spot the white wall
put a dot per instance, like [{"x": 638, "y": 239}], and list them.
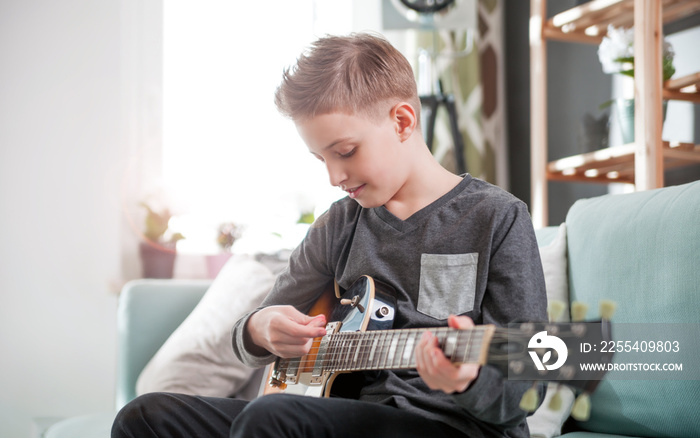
[
  {"x": 679, "y": 123},
  {"x": 61, "y": 160}
]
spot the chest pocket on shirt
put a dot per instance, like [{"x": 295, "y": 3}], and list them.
[{"x": 447, "y": 284}]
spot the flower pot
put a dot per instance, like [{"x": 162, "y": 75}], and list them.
[
  {"x": 215, "y": 262},
  {"x": 157, "y": 261},
  {"x": 625, "y": 117},
  {"x": 593, "y": 133}
]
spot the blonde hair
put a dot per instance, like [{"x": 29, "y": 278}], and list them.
[{"x": 356, "y": 74}]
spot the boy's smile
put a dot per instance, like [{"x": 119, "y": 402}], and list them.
[{"x": 354, "y": 193}]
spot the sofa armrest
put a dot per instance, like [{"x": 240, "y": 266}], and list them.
[{"x": 148, "y": 312}]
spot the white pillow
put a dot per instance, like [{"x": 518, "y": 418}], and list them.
[
  {"x": 555, "y": 267},
  {"x": 545, "y": 423},
  {"x": 198, "y": 357}
]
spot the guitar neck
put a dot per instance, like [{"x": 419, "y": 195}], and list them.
[{"x": 395, "y": 349}]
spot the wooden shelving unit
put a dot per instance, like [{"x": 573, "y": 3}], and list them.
[
  {"x": 683, "y": 88},
  {"x": 643, "y": 162},
  {"x": 589, "y": 22},
  {"x": 616, "y": 164}
]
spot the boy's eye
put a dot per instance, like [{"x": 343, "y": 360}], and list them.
[{"x": 348, "y": 154}]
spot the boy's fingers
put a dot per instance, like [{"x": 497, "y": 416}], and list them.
[
  {"x": 317, "y": 321},
  {"x": 308, "y": 326},
  {"x": 316, "y": 326},
  {"x": 460, "y": 322}
]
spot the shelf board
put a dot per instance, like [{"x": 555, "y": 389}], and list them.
[
  {"x": 616, "y": 164},
  {"x": 683, "y": 88},
  {"x": 588, "y": 23}
]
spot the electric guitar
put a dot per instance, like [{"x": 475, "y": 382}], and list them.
[{"x": 359, "y": 337}]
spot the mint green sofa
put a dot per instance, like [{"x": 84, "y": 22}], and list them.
[{"x": 641, "y": 250}]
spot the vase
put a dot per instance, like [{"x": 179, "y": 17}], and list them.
[
  {"x": 625, "y": 117},
  {"x": 593, "y": 133},
  {"x": 157, "y": 261}
]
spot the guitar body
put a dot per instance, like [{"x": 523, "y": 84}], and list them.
[{"x": 367, "y": 305}]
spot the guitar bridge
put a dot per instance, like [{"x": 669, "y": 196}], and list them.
[{"x": 277, "y": 379}]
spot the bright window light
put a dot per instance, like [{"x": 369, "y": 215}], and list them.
[{"x": 228, "y": 155}]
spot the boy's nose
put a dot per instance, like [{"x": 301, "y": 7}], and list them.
[{"x": 336, "y": 174}]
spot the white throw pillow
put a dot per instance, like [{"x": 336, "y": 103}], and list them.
[
  {"x": 198, "y": 357},
  {"x": 555, "y": 267},
  {"x": 546, "y": 423}
]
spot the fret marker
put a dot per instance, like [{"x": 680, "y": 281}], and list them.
[
  {"x": 374, "y": 347},
  {"x": 408, "y": 350},
  {"x": 392, "y": 347},
  {"x": 357, "y": 351},
  {"x": 450, "y": 344}
]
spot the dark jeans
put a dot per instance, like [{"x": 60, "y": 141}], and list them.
[{"x": 280, "y": 415}]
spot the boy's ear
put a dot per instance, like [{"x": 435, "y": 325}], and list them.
[{"x": 405, "y": 120}]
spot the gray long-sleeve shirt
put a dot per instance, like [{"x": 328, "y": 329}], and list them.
[{"x": 471, "y": 252}]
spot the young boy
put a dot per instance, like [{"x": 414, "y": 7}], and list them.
[{"x": 450, "y": 245}]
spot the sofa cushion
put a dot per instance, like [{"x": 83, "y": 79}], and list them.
[{"x": 641, "y": 251}]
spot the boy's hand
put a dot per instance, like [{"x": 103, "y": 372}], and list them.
[
  {"x": 284, "y": 331},
  {"x": 436, "y": 370}
]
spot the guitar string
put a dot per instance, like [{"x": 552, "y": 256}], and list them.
[
  {"x": 338, "y": 360},
  {"x": 341, "y": 357},
  {"x": 361, "y": 337},
  {"x": 405, "y": 337},
  {"x": 398, "y": 340},
  {"x": 351, "y": 336}
]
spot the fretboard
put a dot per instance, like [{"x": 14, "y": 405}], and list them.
[{"x": 395, "y": 349}]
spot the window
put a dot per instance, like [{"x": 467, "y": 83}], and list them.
[{"x": 228, "y": 154}]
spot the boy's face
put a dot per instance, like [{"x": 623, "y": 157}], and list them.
[{"x": 364, "y": 157}]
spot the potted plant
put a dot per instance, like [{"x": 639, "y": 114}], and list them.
[
  {"x": 158, "y": 247},
  {"x": 616, "y": 55},
  {"x": 227, "y": 235}
]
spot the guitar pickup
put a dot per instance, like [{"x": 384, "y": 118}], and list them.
[{"x": 322, "y": 348}]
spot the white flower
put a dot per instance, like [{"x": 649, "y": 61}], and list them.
[
  {"x": 618, "y": 44},
  {"x": 616, "y": 53},
  {"x": 668, "y": 52}
]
